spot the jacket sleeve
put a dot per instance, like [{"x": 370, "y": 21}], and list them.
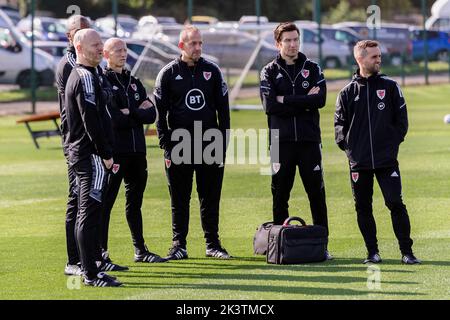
[
  {"x": 340, "y": 120},
  {"x": 120, "y": 120},
  {"x": 143, "y": 116},
  {"x": 162, "y": 100},
  {"x": 222, "y": 104},
  {"x": 313, "y": 101},
  {"x": 87, "y": 104},
  {"x": 400, "y": 112},
  {"x": 269, "y": 97}
]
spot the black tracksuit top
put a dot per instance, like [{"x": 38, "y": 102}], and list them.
[
  {"x": 88, "y": 120},
  {"x": 128, "y": 93},
  {"x": 184, "y": 95},
  {"x": 297, "y": 118},
  {"x": 371, "y": 121}
]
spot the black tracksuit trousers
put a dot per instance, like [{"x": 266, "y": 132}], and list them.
[
  {"x": 307, "y": 157},
  {"x": 133, "y": 171},
  {"x": 71, "y": 217},
  {"x": 209, "y": 186},
  {"x": 91, "y": 178},
  {"x": 390, "y": 184}
]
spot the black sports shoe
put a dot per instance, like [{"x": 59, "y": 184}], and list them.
[
  {"x": 102, "y": 280},
  {"x": 373, "y": 258},
  {"x": 328, "y": 255},
  {"x": 218, "y": 252},
  {"x": 73, "y": 270},
  {"x": 106, "y": 266},
  {"x": 105, "y": 256},
  {"x": 177, "y": 253},
  {"x": 410, "y": 259},
  {"x": 149, "y": 257}
]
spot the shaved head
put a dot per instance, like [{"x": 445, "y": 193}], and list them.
[
  {"x": 115, "y": 53},
  {"x": 89, "y": 47},
  {"x": 113, "y": 42},
  {"x": 75, "y": 23}
]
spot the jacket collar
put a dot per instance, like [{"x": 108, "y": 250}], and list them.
[
  {"x": 357, "y": 77},
  {"x": 185, "y": 65},
  {"x": 300, "y": 61}
]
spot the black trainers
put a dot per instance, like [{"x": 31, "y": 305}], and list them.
[
  {"x": 106, "y": 266},
  {"x": 105, "y": 256},
  {"x": 73, "y": 270},
  {"x": 177, "y": 253},
  {"x": 373, "y": 258},
  {"x": 410, "y": 259},
  {"x": 328, "y": 255},
  {"x": 102, "y": 280},
  {"x": 218, "y": 252},
  {"x": 147, "y": 256}
]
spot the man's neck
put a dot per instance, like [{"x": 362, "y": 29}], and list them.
[
  {"x": 84, "y": 62},
  {"x": 365, "y": 74},
  {"x": 116, "y": 69},
  {"x": 188, "y": 61},
  {"x": 289, "y": 60}
]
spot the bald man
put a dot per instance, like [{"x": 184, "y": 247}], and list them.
[
  {"x": 130, "y": 109},
  {"x": 90, "y": 150},
  {"x": 65, "y": 66},
  {"x": 190, "y": 91}
]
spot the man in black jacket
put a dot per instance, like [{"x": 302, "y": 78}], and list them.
[
  {"x": 191, "y": 95},
  {"x": 130, "y": 109},
  {"x": 90, "y": 150},
  {"x": 65, "y": 66},
  {"x": 370, "y": 123},
  {"x": 293, "y": 89}
]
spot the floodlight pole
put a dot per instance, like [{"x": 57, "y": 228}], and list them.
[
  {"x": 425, "y": 40},
  {"x": 189, "y": 10},
  {"x": 318, "y": 18},
  {"x": 115, "y": 10},
  {"x": 33, "y": 71}
]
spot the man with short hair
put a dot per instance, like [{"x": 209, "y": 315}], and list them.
[
  {"x": 90, "y": 150},
  {"x": 65, "y": 66},
  {"x": 190, "y": 91},
  {"x": 293, "y": 89},
  {"x": 371, "y": 121},
  {"x": 130, "y": 109}
]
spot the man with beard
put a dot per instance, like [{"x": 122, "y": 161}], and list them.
[{"x": 370, "y": 123}]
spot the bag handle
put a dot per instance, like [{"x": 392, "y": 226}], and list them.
[{"x": 288, "y": 220}]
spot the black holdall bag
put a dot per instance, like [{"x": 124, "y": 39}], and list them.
[
  {"x": 296, "y": 244},
  {"x": 261, "y": 238}
]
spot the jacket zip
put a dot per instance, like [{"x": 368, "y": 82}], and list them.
[
  {"x": 370, "y": 126},
  {"x": 293, "y": 92},
  {"x": 128, "y": 105}
]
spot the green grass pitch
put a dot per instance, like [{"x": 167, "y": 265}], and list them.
[{"x": 33, "y": 188}]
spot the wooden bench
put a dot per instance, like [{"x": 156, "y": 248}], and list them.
[{"x": 35, "y": 134}]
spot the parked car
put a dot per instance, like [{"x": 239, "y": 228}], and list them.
[
  {"x": 126, "y": 25},
  {"x": 335, "y": 54},
  {"x": 396, "y": 37},
  {"x": 45, "y": 28},
  {"x": 12, "y": 13},
  {"x": 440, "y": 16},
  {"x": 15, "y": 60},
  {"x": 234, "y": 48},
  {"x": 438, "y": 45},
  {"x": 57, "y": 49}
]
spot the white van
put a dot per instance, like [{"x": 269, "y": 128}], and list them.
[
  {"x": 15, "y": 58},
  {"x": 440, "y": 16}
]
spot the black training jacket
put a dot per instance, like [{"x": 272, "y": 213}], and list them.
[
  {"x": 371, "y": 121},
  {"x": 65, "y": 66},
  {"x": 89, "y": 124},
  {"x": 297, "y": 118},
  {"x": 184, "y": 95},
  {"x": 128, "y": 93}
]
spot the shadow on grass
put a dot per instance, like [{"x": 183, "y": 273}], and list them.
[
  {"x": 273, "y": 289},
  {"x": 256, "y": 277},
  {"x": 333, "y": 266}
]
